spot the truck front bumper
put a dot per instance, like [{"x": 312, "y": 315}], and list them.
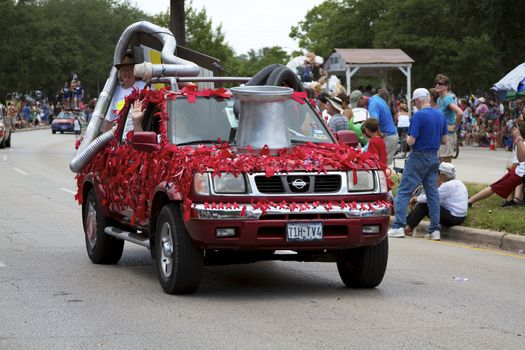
[{"x": 344, "y": 227}]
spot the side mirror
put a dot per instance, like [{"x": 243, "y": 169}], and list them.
[
  {"x": 145, "y": 141},
  {"x": 347, "y": 137}
]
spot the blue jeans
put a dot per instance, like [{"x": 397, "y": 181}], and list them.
[{"x": 420, "y": 168}]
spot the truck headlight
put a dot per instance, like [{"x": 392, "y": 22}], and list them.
[
  {"x": 229, "y": 183},
  {"x": 383, "y": 187},
  {"x": 365, "y": 181},
  {"x": 201, "y": 184}
]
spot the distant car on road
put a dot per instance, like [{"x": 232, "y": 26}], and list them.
[
  {"x": 64, "y": 122},
  {"x": 6, "y": 127}
]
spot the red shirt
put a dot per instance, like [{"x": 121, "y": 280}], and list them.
[{"x": 376, "y": 145}]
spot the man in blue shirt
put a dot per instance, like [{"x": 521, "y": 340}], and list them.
[
  {"x": 378, "y": 109},
  {"x": 428, "y": 129},
  {"x": 453, "y": 114}
]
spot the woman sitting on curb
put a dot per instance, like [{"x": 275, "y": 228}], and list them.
[
  {"x": 453, "y": 197},
  {"x": 514, "y": 177}
]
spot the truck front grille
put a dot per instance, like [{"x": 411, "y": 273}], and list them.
[{"x": 298, "y": 183}]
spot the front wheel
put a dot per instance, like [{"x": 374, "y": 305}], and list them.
[
  {"x": 8, "y": 142},
  {"x": 364, "y": 267},
  {"x": 179, "y": 261},
  {"x": 101, "y": 248},
  {"x": 53, "y": 132}
]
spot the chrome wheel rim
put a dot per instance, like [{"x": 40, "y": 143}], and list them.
[
  {"x": 166, "y": 250},
  {"x": 91, "y": 225}
]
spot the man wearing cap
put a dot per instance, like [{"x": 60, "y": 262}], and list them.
[
  {"x": 453, "y": 114},
  {"x": 427, "y": 131},
  {"x": 378, "y": 109},
  {"x": 453, "y": 200},
  {"x": 126, "y": 87},
  {"x": 358, "y": 114},
  {"x": 338, "y": 121}
]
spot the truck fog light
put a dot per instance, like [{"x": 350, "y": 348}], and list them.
[
  {"x": 371, "y": 229},
  {"x": 225, "y": 232}
]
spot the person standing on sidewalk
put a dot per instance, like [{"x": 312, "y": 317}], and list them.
[
  {"x": 378, "y": 109},
  {"x": 453, "y": 114},
  {"x": 428, "y": 129}
]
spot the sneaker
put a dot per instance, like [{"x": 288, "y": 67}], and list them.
[
  {"x": 435, "y": 236},
  {"x": 396, "y": 232},
  {"x": 507, "y": 204}
]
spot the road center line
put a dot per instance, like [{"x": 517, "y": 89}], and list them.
[
  {"x": 21, "y": 171},
  {"x": 67, "y": 190}
]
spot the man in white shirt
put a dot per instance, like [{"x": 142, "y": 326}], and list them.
[
  {"x": 126, "y": 87},
  {"x": 453, "y": 201}
]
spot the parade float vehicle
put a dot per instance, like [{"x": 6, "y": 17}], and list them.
[{"x": 225, "y": 176}]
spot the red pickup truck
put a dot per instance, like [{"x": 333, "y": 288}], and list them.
[{"x": 221, "y": 176}]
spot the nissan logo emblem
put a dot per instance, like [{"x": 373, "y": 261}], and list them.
[{"x": 299, "y": 184}]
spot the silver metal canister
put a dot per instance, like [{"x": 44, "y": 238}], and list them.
[{"x": 262, "y": 119}]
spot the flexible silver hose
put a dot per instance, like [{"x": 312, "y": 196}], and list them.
[
  {"x": 172, "y": 66},
  {"x": 82, "y": 157}
]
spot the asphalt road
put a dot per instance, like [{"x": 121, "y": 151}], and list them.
[
  {"x": 435, "y": 295},
  {"x": 478, "y": 164}
]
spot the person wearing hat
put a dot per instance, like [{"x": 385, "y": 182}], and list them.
[
  {"x": 358, "y": 114},
  {"x": 126, "y": 87},
  {"x": 334, "y": 107},
  {"x": 453, "y": 114},
  {"x": 453, "y": 201},
  {"x": 428, "y": 129}
]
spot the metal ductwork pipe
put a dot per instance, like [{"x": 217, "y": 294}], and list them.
[
  {"x": 261, "y": 109},
  {"x": 172, "y": 65},
  {"x": 82, "y": 157}
]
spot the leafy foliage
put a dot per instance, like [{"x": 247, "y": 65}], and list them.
[
  {"x": 44, "y": 42},
  {"x": 475, "y": 42}
]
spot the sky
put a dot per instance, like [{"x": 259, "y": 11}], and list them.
[{"x": 247, "y": 24}]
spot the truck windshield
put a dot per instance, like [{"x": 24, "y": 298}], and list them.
[{"x": 210, "y": 119}]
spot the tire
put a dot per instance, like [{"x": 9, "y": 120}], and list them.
[
  {"x": 179, "y": 261},
  {"x": 2, "y": 144},
  {"x": 284, "y": 76},
  {"x": 101, "y": 248},
  {"x": 8, "y": 142},
  {"x": 364, "y": 267},
  {"x": 61, "y": 132},
  {"x": 258, "y": 79},
  {"x": 53, "y": 132},
  {"x": 456, "y": 154}
]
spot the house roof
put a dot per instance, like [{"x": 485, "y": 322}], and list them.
[{"x": 374, "y": 56}]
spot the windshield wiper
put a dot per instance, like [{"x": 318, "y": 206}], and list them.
[{"x": 196, "y": 142}]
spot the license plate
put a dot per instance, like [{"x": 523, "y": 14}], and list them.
[
  {"x": 64, "y": 127},
  {"x": 304, "y": 231}
]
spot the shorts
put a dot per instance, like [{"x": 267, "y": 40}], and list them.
[
  {"x": 449, "y": 150},
  {"x": 506, "y": 185},
  {"x": 391, "y": 147}
]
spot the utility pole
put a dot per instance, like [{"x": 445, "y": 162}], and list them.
[{"x": 178, "y": 21}]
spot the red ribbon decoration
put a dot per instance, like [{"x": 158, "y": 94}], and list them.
[
  {"x": 128, "y": 178},
  {"x": 300, "y": 96}
]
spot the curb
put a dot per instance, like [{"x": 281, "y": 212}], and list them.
[
  {"x": 494, "y": 239},
  {"x": 31, "y": 129}
]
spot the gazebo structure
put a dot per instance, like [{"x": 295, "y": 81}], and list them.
[{"x": 369, "y": 62}]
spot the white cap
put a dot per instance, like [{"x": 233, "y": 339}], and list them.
[
  {"x": 419, "y": 92},
  {"x": 447, "y": 168}
]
